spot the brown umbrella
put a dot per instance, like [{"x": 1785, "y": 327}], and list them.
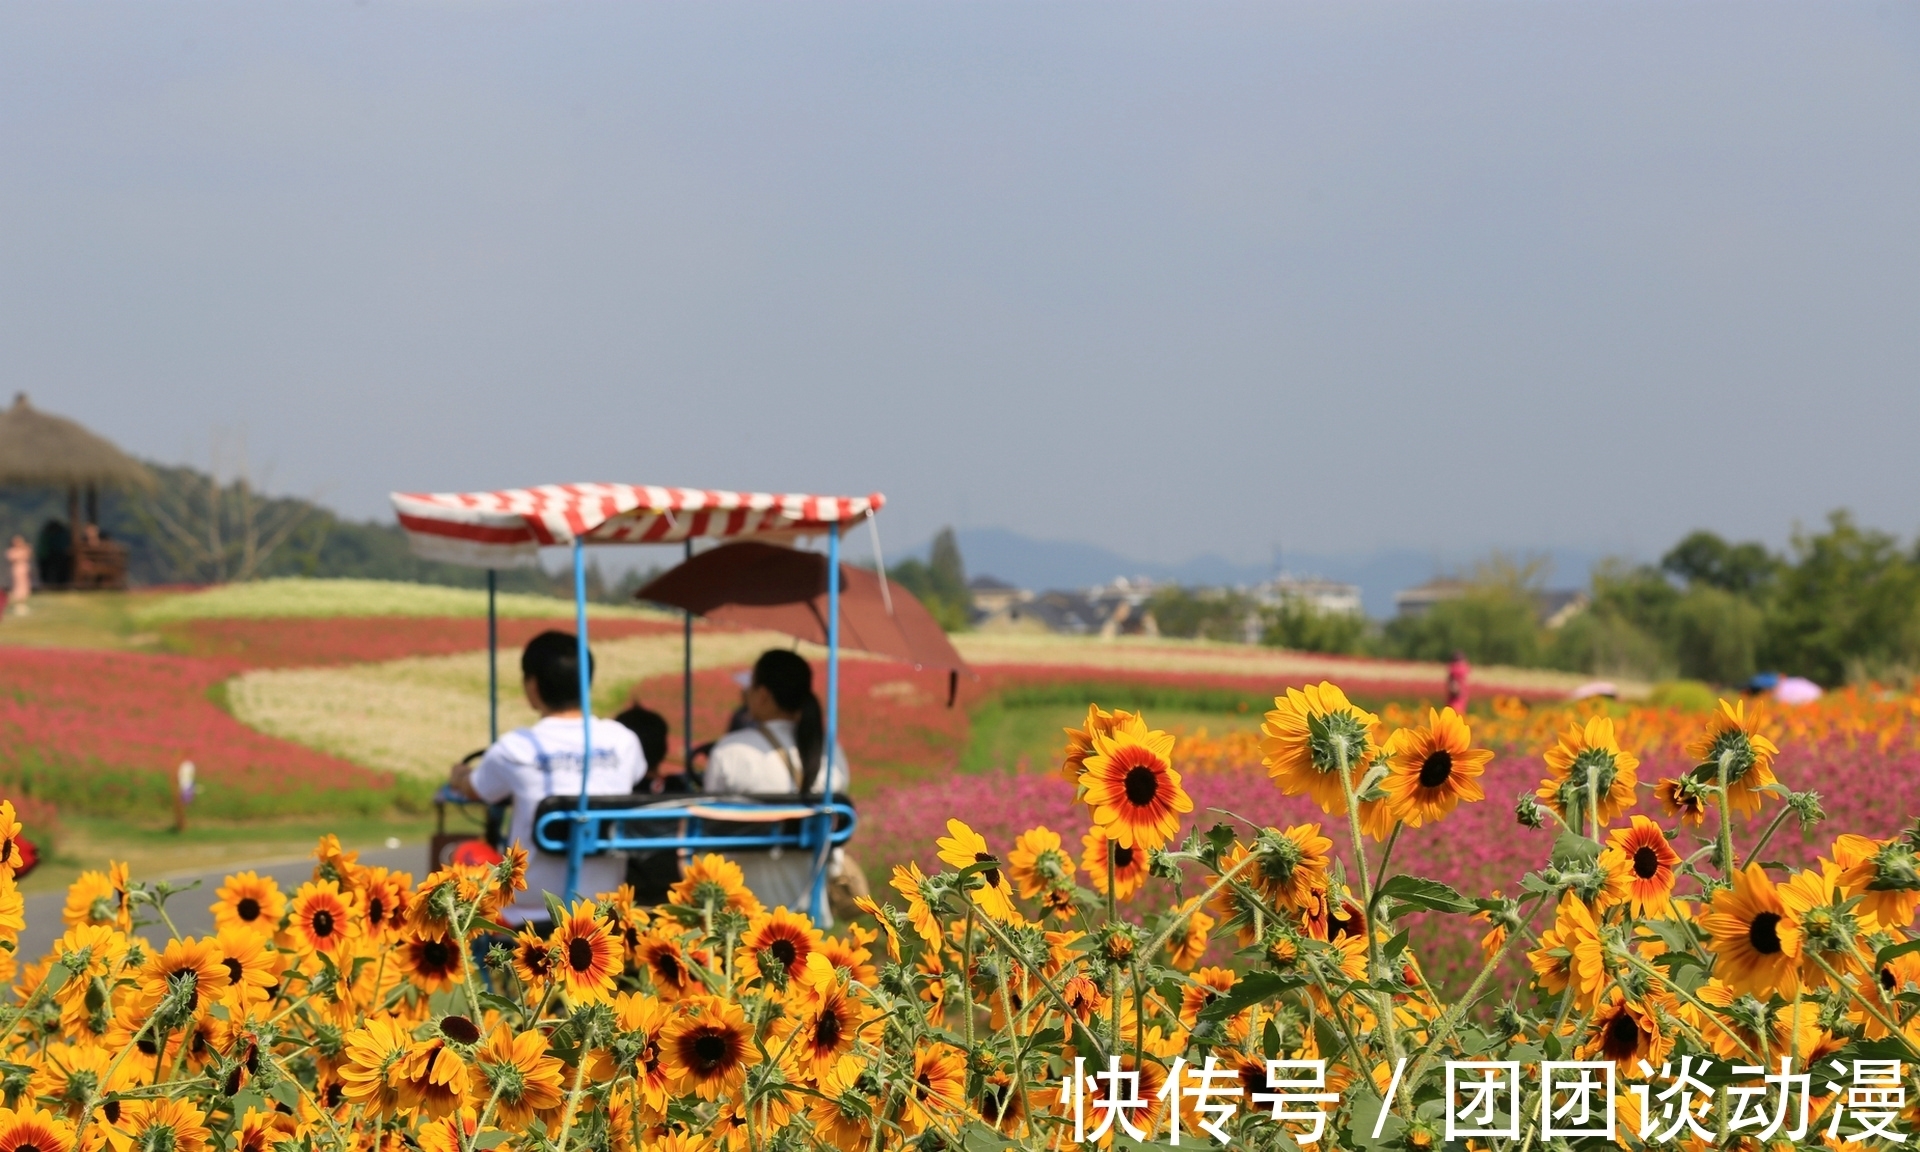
[
  {"x": 38, "y": 450},
  {"x": 759, "y": 585}
]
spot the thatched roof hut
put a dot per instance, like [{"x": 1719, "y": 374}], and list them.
[{"x": 38, "y": 450}]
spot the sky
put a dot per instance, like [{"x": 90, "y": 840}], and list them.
[{"x": 1168, "y": 278}]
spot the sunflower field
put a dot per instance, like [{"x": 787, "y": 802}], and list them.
[{"x": 1681, "y": 990}]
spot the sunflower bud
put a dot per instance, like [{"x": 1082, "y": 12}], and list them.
[
  {"x": 1527, "y": 811},
  {"x": 1895, "y": 869}
]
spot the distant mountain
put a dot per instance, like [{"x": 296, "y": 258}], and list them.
[{"x": 1041, "y": 564}]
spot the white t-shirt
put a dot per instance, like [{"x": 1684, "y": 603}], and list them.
[
  {"x": 530, "y": 764},
  {"x": 743, "y": 762}
]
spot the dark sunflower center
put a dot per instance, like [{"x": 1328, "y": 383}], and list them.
[
  {"x": 535, "y": 958},
  {"x": 248, "y": 909},
  {"x": 785, "y": 952},
  {"x": 1622, "y": 1038},
  {"x": 826, "y": 1033},
  {"x": 26, "y": 1146},
  {"x": 234, "y": 971},
  {"x": 1436, "y": 769},
  {"x": 992, "y": 874},
  {"x": 709, "y": 1050},
  {"x": 1122, "y": 856},
  {"x": 437, "y": 954},
  {"x": 111, "y": 1111},
  {"x": 1143, "y": 784},
  {"x": 1887, "y": 980},
  {"x": 668, "y": 967},
  {"x": 1646, "y": 862},
  {"x": 323, "y": 923},
  {"x": 1764, "y": 934},
  {"x": 579, "y": 954},
  {"x": 376, "y": 911},
  {"x": 335, "y": 1094}
]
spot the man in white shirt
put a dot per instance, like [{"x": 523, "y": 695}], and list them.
[
  {"x": 530, "y": 764},
  {"x": 781, "y": 754}
]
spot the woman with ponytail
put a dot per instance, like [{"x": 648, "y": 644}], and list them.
[{"x": 782, "y": 753}]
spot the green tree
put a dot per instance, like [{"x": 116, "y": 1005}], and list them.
[
  {"x": 1716, "y": 635},
  {"x": 1848, "y": 606},
  {"x": 940, "y": 581},
  {"x": 1201, "y": 613},
  {"x": 1705, "y": 559},
  {"x": 1495, "y": 620},
  {"x": 1298, "y": 625}
]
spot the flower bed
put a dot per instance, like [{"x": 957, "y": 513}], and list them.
[
  {"x": 102, "y": 732},
  {"x": 291, "y": 642},
  {"x": 1047, "y": 988}
]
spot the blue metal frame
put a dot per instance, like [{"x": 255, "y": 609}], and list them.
[
  {"x": 817, "y": 831},
  {"x": 808, "y": 836}
]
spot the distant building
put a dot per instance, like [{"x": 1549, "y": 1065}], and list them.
[
  {"x": 990, "y": 594},
  {"x": 1329, "y": 597},
  {"x": 1553, "y": 606},
  {"x": 1415, "y": 601}
]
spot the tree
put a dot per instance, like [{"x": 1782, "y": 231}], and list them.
[
  {"x": 1201, "y": 613},
  {"x": 940, "y": 581},
  {"x": 1848, "y": 607},
  {"x": 1495, "y": 621},
  {"x": 1298, "y": 625},
  {"x": 1705, "y": 559}
]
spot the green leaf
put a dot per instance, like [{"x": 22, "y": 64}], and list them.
[
  {"x": 1570, "y": 850},
  {"x": 1893, "y": 951},
  {"x": 1257, "y": 988},
  {"x": 1429, "y": 894},
  {"x": 492, "y": 1138},
  {"x": 1366, "y": 1112},
  {"x": 1270, "y": 1040}
]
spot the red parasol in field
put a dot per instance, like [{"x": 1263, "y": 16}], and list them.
[{"x": 758, "y": 585}]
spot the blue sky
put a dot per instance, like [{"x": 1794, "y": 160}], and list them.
[{"x": 1169, "y": 278}]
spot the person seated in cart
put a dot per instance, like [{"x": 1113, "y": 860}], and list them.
[
  {"x": 781, "y": 753},
  {"x": 530, "y": 764}
]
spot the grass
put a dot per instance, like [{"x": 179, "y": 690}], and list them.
[
  {"x": 308, "y": 598},
  {"x": 1008, "y": 731}
]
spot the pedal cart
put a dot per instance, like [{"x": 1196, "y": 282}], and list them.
[{"x": 755, "y": 577}]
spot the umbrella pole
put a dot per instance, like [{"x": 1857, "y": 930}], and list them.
[
  {"x": 577, "y": 845},
  {"x": 493, "y": 661},
  {"x": 686, "y": 685},
  {"x": 817, "y": 900}
]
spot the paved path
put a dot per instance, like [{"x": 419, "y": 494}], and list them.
[{"x": 191, "y": 911}]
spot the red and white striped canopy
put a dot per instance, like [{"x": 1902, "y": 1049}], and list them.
[{"x": 506, "y": 529}]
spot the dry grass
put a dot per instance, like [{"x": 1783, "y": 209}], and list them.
[{"x": 419, "y": 715}]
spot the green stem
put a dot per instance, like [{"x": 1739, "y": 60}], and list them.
[
  {"x": 1454, "y": 1015},
  {"x": 1383, "y": 1001},
  {"x": 1725, "y": 837},
  {"x": 1767, "y": 836}
]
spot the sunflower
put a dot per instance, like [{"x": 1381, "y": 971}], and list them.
[
  {"x": 713, "y": 881},
  {"x": 1816, "y": 905},
  {"x": 1571, "y": 953},
  {"x": 680, "y": 1142},
  {"x": 666, "y": 966},
  {"x": 1309, "y": 736},
  {"x": 1740, "y": 1025},
  {"x": 432, "y": 1079},
  {"x": 1626, "y": 1032},
  {"x": 1082, "y": 998},
  {"x": 509, "y": 879},
  {"x": 1431, "y": 769},
  {"x": 1146, "y": 1109},
  {"x": 1132, "y": 790},
  {"x": 1586, "y": 759},
  {"x": 962, "y": 847},
  {"x": 517, "y": 1074},
  {"x": 34, "y": 1130},
  {"x": 371, "y": 1063},
  {"x": 1684, "y": 798},
  {"x": 91, "y": 952},
  {"x": 1641, "y": 853},
  {"x": 1099, "y": 723},
  {"x": 1293, "y": 866},
  {"x": 175, "y": 1125},
  {"x": 452, "y": 1133},
  {"x": 625, "y": 919},
  {"x": 533, "y": 961},
  {"x": 253, "y": 969},
  {"x": 852, "y": 955},
  {"x": 840, "y": 1116},
  {"x": 1189, "y": 939},
  {"x": 707, "y": 1049},
  {"x": 642, "y": 1019},
  {"x": 433, "y": 963},
  {"x": 12, "y": 858},
  {"x": 382, "y": 896},
  {"x": 262, "y": 1131},
  {"x": 190, "y": 974},
  {"x": 1037, "y": 863},
  {"x": 1757, "y": 944},
  {"x": 322, "y": 917},
  {"x": 100, "y": 898},
  {"x": 1002, "y": 1104},
  {"x": 868, "y": 905},
  {"x": 1202, "y": 989},
  {"x": 1885, "y": 874},
  {"x": 777, "y": 944},
  {"x": 1734, "y": 741},
  {"x": 829, "y": 1026},
  {"x": 1129, "y": 867},
  {"x": 249, "y": 901},
  {"x": 910, "y": 882},
  {"x": 938, "y": 1090},
  {"x": 587, "y": 961}
]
